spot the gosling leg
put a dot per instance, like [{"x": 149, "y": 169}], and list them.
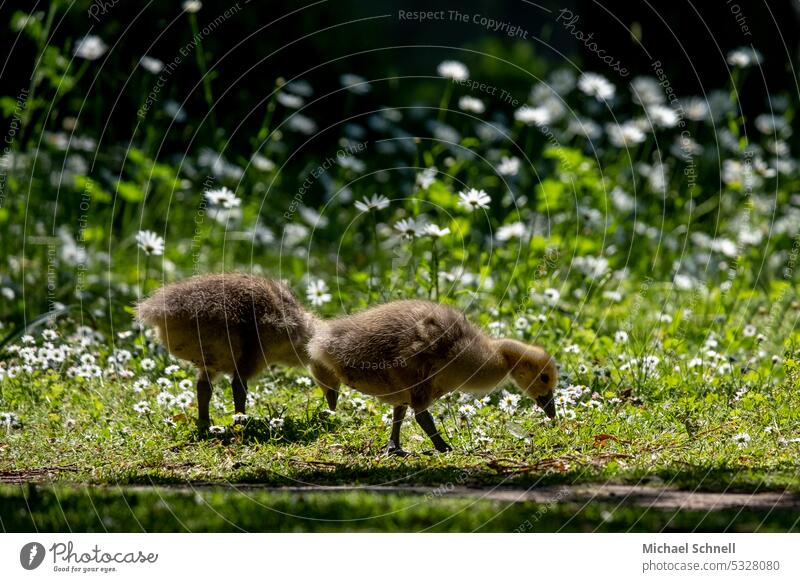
[
  {"x": 203, "y": 399},
  {"x": 425, "y": 420},
  {"x": 239, "y": 386},
  {"x": 393, "y": 446}
]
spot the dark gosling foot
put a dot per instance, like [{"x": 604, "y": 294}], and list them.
[
  {"x": 393, "y": 450},
  {"x": 443, "y": 447},
  {"x": 202, "y": 425}
]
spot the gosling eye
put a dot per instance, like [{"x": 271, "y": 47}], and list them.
[{"x": 546, "y": 378}]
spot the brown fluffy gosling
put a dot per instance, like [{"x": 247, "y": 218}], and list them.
[
  {"x": 410, "y": 353},
  {"x": 230, "y": 323}
]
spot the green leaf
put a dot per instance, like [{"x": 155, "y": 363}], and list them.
[
  {"x": 130, "y": 192},
  {"x": 93, "y": 188},
  {"x": 550, "y": 195},
  {"x": 440, "y": 195}
]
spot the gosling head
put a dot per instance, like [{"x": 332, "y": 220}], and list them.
[{"x": 533, "y": 371}]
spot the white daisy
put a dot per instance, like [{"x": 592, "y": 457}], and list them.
[
  {"x": 165, "y": 399},
  {"x": 151, "y": 65},
  {"x": 141, "y": 384},
  {"x": 8, "y": 419},
  {"x": 471, "y": 104},
  {"x": 695, "y": 108},
  {"x": 596, "y": 86},
  {"x": 175, "y": 111},
  {"x": 533, "y": 115},
  {"x": 141, "y": 407},
  {"x": 508, "y": 166},
  {"x": 317, "y": 293},
  {"x": 184, "y": 399},
  {"x": 551, "y": 295},
  {"x": 289, "y": 100},
  {"x": 584, "y": 128},
  {"x": 90, "y": 47},
  {"x": 467, "y": 410},
  {"x": 408, "y": 227},
  {"x": 624, "y": 135},
  {"x": 377, "y": 202},
  {"x": 474, "y": 199},
  {"x": 301, "y": 124},
  {"x": 262, "y": 163},
  {"x": 300, "y": 87},
  {"x": 646, "y": 91},
  {"x": 509, "y": 231},
  {"x": 222, "y": 197},
  {"x": 150, "y": 242},
  {"x": 435, "y": 231},
  {"x": 355, "y": 84},
  {"x": 741, "y": 439},
  {"x": 509, "y": 402},
  {"x": 426, "y": 178},
  {"x": 454, "y": 70},
  {"x": 663, "y": 116},
  {"x": 744, "y": 57}
]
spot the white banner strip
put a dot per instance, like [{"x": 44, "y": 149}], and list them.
[{"x": 401, "y": 557}]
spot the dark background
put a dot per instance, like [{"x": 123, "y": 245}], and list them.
[{"x": 689, "y": 38}]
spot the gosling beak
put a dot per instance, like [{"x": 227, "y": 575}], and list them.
[
  {"x": 332, "y": 396},
  {"x": 548, "y": 404}
]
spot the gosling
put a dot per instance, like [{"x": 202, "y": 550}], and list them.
[
  {"x": 230, "y": 323},
  {"x": 410, "y": 353}
]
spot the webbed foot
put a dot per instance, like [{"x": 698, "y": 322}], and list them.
[{"x": 393, "y": 450}]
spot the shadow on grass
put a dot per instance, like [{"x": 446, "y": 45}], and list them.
[
  {"x": 455, "y": 469},
  {"x": 63, "y": 509},
  {"x": 260, "y": 430},
  {"x": 452, "y": 469},
  {"x": 730, "y": 479}
]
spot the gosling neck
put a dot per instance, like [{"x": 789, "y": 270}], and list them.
[
  {"x": 480, "y": 371},
  {"x": 511, "y": 351}
]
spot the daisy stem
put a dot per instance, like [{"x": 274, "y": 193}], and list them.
[
  {"x": 146, "y": 274},
  {"x": 529, "y": 142},
  {"x": 444, "y": 104},
  {"x": 435, "y": 268},
  {"x": 36, "y": 79},
  {"x": 263, "y": 133},
  {"x": 375, "y": 254},
  {"x": 412, "y": 271},
  {"x": 200, "y": 57}
]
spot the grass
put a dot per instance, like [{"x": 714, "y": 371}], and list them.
[
  {"x": 64, "y": 509},
  {"x": 89, "y": 432},
  {"x": 94, "y": 421},
  {"x": 659, "y": 270}
]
